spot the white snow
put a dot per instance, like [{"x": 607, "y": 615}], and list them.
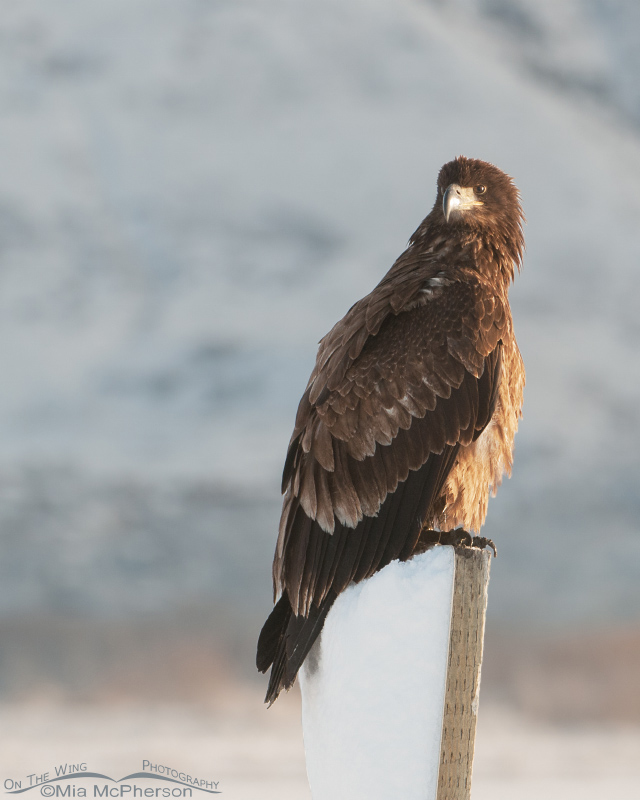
[{"x": 373, "y": 688}]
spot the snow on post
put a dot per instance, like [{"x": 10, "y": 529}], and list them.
[{"x": 390, "y": 689}]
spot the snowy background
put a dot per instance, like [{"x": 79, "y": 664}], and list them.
[{"x": 191, "y": 193}]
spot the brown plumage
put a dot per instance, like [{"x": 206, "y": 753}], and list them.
[{"x": 408, "y": 419}]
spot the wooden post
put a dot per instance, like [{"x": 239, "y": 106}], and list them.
[
  {"x": 466, "y": 640},
  {"x": 390, "y": 690}
]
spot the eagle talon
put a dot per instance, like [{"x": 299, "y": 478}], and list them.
[
  {"x": 481, "y": 542},
  {"x": 457, "y": 538}
]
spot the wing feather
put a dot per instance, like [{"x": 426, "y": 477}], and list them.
[{"x": 397, "y": 387}]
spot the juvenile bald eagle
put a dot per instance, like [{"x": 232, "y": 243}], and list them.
[{"x": 408, "y": 419}]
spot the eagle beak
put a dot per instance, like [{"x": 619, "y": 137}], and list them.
[{"x": 458, "y": 198}]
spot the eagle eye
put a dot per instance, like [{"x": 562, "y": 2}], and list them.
[{"x": 480, "y": 189}]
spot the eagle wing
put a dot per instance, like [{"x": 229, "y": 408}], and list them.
[{"x": 409, "y": 375}]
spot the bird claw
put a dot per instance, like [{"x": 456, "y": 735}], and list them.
[
  {"x": 456, "y": 538},
  {"x": 461, "y": 538},
  {"x": 481, "y": 542}
]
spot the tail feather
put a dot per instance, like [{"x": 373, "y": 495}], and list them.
[
  {"x": 272, "y": 634},
  {"x": 285, "y": 642}
]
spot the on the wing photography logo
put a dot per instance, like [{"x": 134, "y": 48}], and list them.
[{"x": 76, "y": 780}]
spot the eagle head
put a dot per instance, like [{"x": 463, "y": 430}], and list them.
[
  {"x": 475, "y": 194},
  {"x": 477, "y": 197}
]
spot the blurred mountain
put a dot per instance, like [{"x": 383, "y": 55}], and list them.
[
  {"x": 191, "y": 195},
  {"x": 584, "y": 49}
]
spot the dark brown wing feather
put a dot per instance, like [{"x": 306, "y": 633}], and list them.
[
  {"x": 376, "y": 434},
  {"x": 423, "y": 383},
  {"x": 321, "y": 565}
]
